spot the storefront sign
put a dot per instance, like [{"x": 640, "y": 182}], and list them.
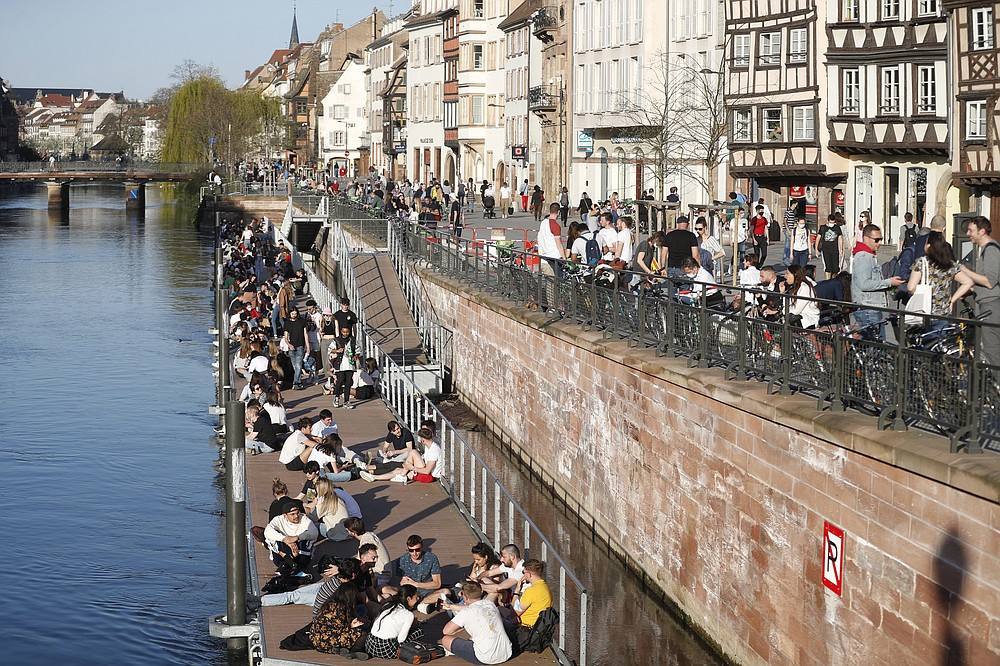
[{"x": 585, "y": 141}]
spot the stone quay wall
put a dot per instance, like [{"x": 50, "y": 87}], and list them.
[{"x": 718, "y": 492}]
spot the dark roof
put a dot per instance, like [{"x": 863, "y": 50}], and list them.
[
  {"x": 27, "y": 95},
  {"x": 111, "y": 144},
  {"x": 521, "y": 14},
  {"x": 423, "y": 19}
]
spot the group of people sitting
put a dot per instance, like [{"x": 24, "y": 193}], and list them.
[{"x": 366, "y": 605}]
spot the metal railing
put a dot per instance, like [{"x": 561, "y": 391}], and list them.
[
  {"x": 543, "y": 97},
  {"x": 486, "y": 504},
  {"x": 906, "y": 384},
  {"x": 102, "y": 167},
  {"x": 549, "y": 16}
]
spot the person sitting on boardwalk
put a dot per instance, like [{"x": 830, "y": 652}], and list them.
[
  {"x": 324, "y": 425},
  {"x": 481, "y": 619},
  {"x": 483, "y": 559},
  {"x": 331, "y": 512},
  {"x": 290, "y": 538},
  {"x": 424, "y": 468},
  {"x": 418, "y": 568},
  {"x": 337, "y": 462},
  {"x": 280, "y": 492},
  {"x": 347, "y": 572},
  {"x": 394, "y": 624},
  {"x": 305, "y": 595},
  {"x": 356, "y": 528},
  {"x": 261, "y": 437},
  {"x": 296, "y": 449},
  {"x": 336, "y": 627},
  {"x": 533, "y": 595},
  {"x": 511, "y": 566},
  {"x": 398, "y": 443}
]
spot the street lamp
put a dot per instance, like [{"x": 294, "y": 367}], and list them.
[{"x": 562, "y": 123}]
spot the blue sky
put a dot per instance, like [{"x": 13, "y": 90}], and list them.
[{"x": 111, "y": 45}]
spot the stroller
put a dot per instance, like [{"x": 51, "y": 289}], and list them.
[{"x": 489, "y": 203}]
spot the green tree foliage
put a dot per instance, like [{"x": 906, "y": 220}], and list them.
[{"x": 202, "y": 108}]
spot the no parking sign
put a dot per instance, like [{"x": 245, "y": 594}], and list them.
[{"x": 833, "y": 557}]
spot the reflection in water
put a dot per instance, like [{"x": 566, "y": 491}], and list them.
[
  {"x": 627, "y": 626},
  {"x": 106, "y": 458}
]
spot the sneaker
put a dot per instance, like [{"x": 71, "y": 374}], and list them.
[
  {"x": 367, "y": 476},
  {"x": 348, "y": 405},
  {"x": 336, "y": 402},
  {"x": 358, "y": 656},
  {"x": 424, "y": 608},
  {"x": 400, "y": 478}
]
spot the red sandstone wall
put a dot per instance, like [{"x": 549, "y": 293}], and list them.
[{"x": 725, "y": 509}]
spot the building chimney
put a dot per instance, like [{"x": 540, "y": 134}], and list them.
[{"x": 246, "y": 74}]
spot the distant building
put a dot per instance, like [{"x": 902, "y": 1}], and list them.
[{"x": 9, "y": 123}]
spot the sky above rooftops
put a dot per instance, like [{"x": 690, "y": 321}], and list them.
[{"x": 112, "y": 45}]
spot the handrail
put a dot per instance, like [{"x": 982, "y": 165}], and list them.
[
  {"x": 905, "y": 385},
  {"x": 466, "y": 478},
  {"x": 102, "y": 167}
]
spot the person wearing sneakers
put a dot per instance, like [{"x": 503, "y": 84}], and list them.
[
  {"x": 356, "y": 528},
  {"x": 489, "y": 642},
  {"x": 424, "y": 468},
  {"x": 328, "y": 328},
  {"x": 343, "y": 359}
]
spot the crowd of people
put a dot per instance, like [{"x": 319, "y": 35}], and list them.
[{"x": 367, "y": 605}]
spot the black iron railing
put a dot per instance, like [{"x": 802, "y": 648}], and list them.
[
  {"x": 543, "y": 97},
  {"x": 913, "y": 383}
]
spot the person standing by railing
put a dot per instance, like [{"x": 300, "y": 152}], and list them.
[
  {"x": 987, "y": 285},
  {"x": 868, "y": 287},
  {"x": 551, "y": 250}
]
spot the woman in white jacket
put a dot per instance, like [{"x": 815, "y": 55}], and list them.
[{"x": 394, "y": 624}]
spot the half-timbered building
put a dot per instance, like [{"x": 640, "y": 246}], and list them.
[
  {"x": 976, "y": 111},
  {"x": 776, "y": 95},
  {"x": 886, "y": 79}
]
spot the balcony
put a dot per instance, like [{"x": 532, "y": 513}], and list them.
[
  {"x": 546, "y": 21},
  {"x": 542, "y": 99}
]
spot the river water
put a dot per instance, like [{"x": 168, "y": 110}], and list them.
[
  {"x": 113, "y": 540},
  {"x": 114, "y": 536}
]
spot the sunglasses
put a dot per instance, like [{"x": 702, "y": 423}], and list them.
[{"x": 415, "y": 550}]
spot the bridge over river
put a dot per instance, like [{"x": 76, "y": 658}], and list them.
[{"x": 58, "y": 176}]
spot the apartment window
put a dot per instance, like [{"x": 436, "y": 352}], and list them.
[
  {"x": 772, "y": 124},
  {"x": 770, "y": 48},
  {"x": 849, "y": 10},
  {"x": 300, "y": 108},
  {"x": 477, "y": 8},
  {"x": 803, "y": 125},
  {"x": 889, "y": 99},
  {"x": 742, "y": 125},
  {"x": 982, "y": 28},
  {"x": 741, "y": 50},
  {"x": 344, "y": 89},
  {"x": 797, "y": 45},
  {"x": 927, "y": 7},
  {"x": 339, "y": 138},
  {"x": 890, "y": 10},
  {"x": 477, "y": 56},
  {"x": 975, "y": 120},
  {"x": 926, "y": 89},
  {"x": 477, "y": 110},
  {"x": 339, "y": 111},
  {"x": 850, "y": 99}
]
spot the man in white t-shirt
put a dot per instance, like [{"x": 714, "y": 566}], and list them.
[
  {"x": 607, "y": 236},
  {"x": 295, "y": 451},
  {"x": 426, "y": 467},
  {"x": 623, "y": 239},
  {"x": 504, "y": 200},
  {"x": 512, "y": 565},
  {"x": 325, "y": 425},
  {"x": 481, "y": 619}
]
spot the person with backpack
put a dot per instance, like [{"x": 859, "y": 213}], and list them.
[
  {"x": 868, "y": 285},
  {"x": 908, "y": 232},
  {"x": 564, "y": 204},
  {"x": 709, "y": 248}
]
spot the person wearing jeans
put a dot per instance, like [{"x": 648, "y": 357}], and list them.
[{"x": 298, "y": 343}]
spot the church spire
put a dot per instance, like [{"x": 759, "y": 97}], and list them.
[{"x": 293, "y": 41}]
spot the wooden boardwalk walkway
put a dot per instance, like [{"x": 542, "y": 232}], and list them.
[{"x": 393, "y": 511}]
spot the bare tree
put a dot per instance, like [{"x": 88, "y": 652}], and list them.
[
  {"x": 679, "y": 115},
  {"x": 648, "y": 112}
]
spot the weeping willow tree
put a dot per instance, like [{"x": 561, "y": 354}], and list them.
[{"x": 241, "y": 122}]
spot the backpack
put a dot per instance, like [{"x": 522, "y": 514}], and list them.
[
  {"x": 540, "y": 637},
  {"x": 593, "y": 251},
  {"x": 901, "y": 265},
  {"x": 909, "y": 235},
  {"x": 706, "y": 260},
  {"x": 415, "y": 652}
]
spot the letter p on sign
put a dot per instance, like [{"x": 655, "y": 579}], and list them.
[{"x": 833, "y": 557}]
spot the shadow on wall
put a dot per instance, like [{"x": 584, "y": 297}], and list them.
[{"x": 949, "y": 571}]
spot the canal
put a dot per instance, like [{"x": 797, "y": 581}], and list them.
[
  {"x": 107, "y": 454},
  {"x": 114, "y": 540}
]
